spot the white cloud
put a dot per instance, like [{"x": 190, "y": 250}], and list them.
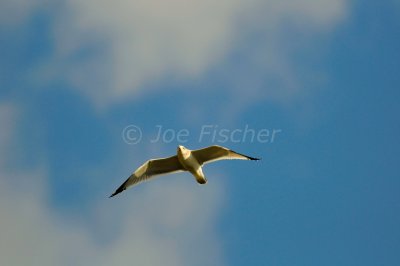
[
  {"x": 168, "y": 226},
  {"x": 113, "y": 51},
  {"x": 168, "y": 222}
]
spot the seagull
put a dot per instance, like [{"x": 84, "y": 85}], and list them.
[{"x": 185, "y": 160}]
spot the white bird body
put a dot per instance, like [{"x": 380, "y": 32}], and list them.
[
  {"x": 185, "y": 160},
  {"x": 191, "y": 164}
]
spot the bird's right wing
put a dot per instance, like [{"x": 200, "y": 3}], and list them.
[
  {"x": 216, "y": 153},
  {"x": 149, "y": 169}
]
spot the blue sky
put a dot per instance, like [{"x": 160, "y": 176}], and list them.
[{"x": 74, "y": 74}]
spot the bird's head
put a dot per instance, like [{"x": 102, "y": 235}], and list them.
[{"x": 182, "y": 150}]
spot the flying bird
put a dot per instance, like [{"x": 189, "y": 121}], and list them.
[{"x": 185, "y": 160}]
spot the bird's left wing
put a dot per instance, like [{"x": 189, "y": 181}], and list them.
[
  {"x": 149, "y": 169},
  {"x": 216, "y": 153}
]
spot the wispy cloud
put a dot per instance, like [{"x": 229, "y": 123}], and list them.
[{"x": 113, "y": 52}]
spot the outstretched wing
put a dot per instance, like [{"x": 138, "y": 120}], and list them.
[
  {"x": 149, "y": 169},
  {"x": 216, "y": 153}
]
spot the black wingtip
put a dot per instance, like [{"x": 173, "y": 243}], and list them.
[
  {"x": 248, "y": 157},
  {"x": 119, "y": 190}
]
